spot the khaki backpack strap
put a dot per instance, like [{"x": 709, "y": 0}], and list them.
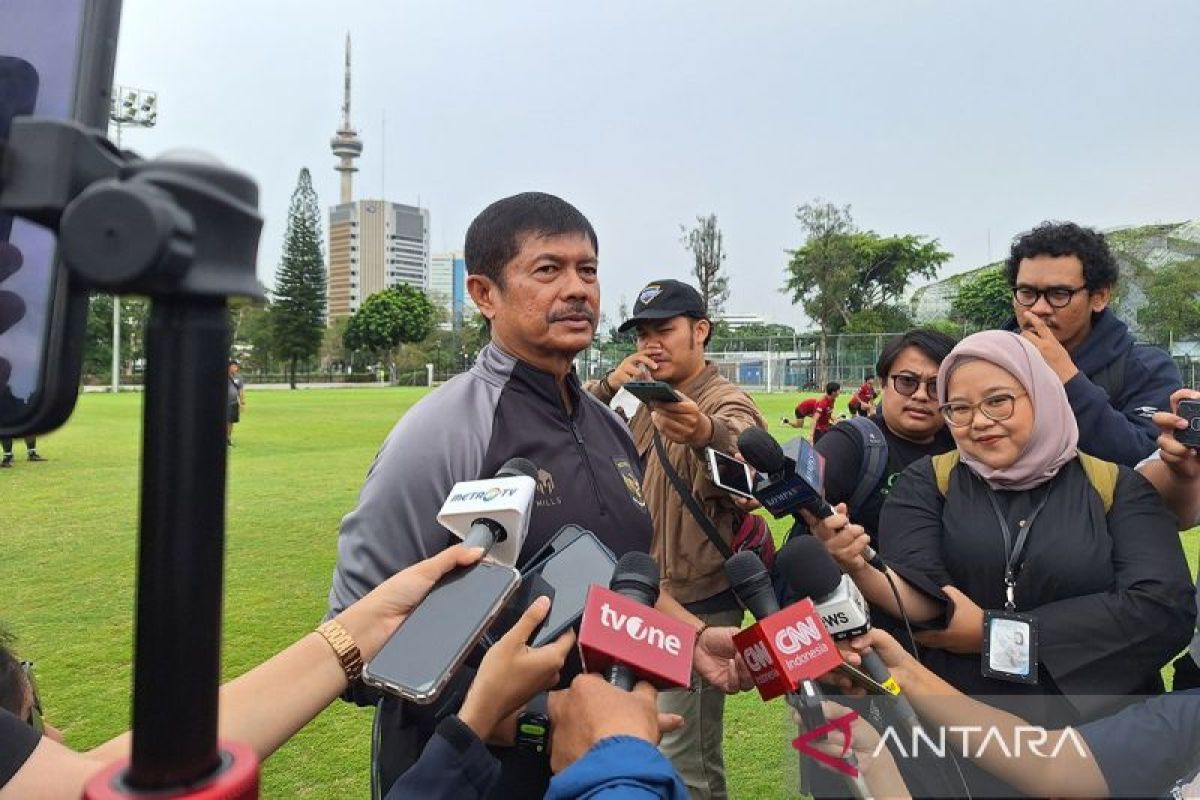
[
  {"x": 943, "y": 465},
  {"x": 1103, "y": 477}
]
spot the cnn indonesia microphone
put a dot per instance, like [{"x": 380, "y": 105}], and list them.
[
  {"x": 493, "y": 513},
  {"x": 811, "y": 572},
  {"x": 788, "y": 485},
  {"x": 622, "y": 636}
]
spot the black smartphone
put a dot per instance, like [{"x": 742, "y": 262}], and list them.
[
  {"x": 652, "y": 392},
  {"x": 532, "y": 587},
  {"x": 570, "y": 572},
  {"x": 56, "y": 61},
  {"x": 1189, "y": 410},
  {"x": 429, "y": 647}
]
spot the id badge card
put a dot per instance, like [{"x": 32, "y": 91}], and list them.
[{"x": 1010, "y": 647}]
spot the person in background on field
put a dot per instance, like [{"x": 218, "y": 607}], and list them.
[
  {"x": 862, "y": 401},
  {"x": 819, "y": 408},
  {"x": 236, "y": 399},
  {"x": 6, "y": 445}
]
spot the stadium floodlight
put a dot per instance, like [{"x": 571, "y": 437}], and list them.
[{"x": 139, "y": 108}]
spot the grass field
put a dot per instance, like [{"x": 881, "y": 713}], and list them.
[{"x": 67, "y": 572}]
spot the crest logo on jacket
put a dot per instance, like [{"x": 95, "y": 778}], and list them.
[{"x": 632, "y": 481}]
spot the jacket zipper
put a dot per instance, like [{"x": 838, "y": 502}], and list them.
[{"x": 587, "y": 462}]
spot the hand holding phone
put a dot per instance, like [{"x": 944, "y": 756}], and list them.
[
  {"x": 1189, "y": 411},
  {"x": 652, "y": 392},
  {"x": 511, "y": 673},
  {"x": 729, "y": 473}
]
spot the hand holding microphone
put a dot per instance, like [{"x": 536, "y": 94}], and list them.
[
  {"x": 793, "y": 485},
  {"x": 847, "y": 542}
]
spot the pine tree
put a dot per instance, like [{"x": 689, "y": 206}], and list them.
[{"x": 298, "y": 310}]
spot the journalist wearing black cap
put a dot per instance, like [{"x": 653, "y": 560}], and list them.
[{"x": 672, "y": 329}]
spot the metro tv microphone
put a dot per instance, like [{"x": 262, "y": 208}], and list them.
[
  {"x": 622, "y": 636},
  {"x": 811, "y": 572},
  {"x": 787, "y": 483},
  {"x": 493, "y": 513}
]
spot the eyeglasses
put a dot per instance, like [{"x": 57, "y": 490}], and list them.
[
  {"x": 35, "y": 702},
  {"x": 907, "y": 385},
  {"x": 998, "y": 407},
  {"x": 1056, "y": 296}
]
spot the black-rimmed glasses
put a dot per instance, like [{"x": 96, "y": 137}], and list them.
[
  {"x": 1056, "y": 296},
  {"x": 906, "y": 384}
]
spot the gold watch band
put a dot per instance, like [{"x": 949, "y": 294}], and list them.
[{"x": 344, "y": 648}]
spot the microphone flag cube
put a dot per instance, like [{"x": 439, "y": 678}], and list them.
[
  {"x": 505, "y": 500},
  {"x": 658, "y": 648},
  {"x": 786, "y": 649}
]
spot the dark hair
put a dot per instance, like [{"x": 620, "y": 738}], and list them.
[
  {"x": 832, "y": 387},
  {"x": 934, "y": 344},
  {"x": 494, "y": 237},
  {"x": 868, "y": 376},
  {"x": 233, "y": 362},
  {"x": 1066, "y": 239},
  {"x": 12, "y": 678}
]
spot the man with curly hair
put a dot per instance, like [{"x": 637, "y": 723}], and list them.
[{"x": 1062, "y": 276}]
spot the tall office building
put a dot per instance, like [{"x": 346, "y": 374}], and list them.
[
  {"x": 448, "y": 287},
  {"x": 373, "y": 244}
]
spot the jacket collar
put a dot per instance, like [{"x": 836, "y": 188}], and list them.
[
  {"x": 498, "y": 364},
  {"x": 694, "y": 387}
]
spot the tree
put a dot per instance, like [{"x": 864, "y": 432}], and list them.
[
  {"x": 840, "y": 272},
  {"x": 884, "y": 318},
  {"x": 97, "y": 353},
  {"x": 298, "y": 313},
  {"x": 984, "y": 301},
  {"x": 387, "y": 319},
  {"x": 250, "y": 324},
  {"x": 706, "y": 244},
  {"x": 1172, "y": 309},
  {"x": 821, "y": 271}
]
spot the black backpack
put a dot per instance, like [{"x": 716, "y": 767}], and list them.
[{"x": 873, "y": 466}]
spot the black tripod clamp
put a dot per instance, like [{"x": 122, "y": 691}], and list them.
[{"x": 183, "y": 232}]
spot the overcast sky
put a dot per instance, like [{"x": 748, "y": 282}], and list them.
[{"x": 951, "y": 119}]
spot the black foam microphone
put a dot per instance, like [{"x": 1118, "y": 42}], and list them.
[
  {"x": 636, "y": 577},
  {"x": 787, "y": 486},
  {"x": 811, "y": 572}
]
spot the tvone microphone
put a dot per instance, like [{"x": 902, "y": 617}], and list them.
[
  {"x": 622, "y": 636},
  {"x": 493, "y": 513},
  {"x": 811, "y": 572},
  {"x": 789, "y": 485}
]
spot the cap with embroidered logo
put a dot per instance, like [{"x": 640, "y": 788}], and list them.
[{"x": 663, "y": 300}]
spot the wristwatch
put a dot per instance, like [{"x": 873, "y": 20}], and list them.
[{"x": 533, "y": 726}]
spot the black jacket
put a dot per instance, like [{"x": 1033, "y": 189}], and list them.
[{"x": 588, "y": 474}]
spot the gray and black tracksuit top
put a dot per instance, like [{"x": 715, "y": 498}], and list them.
[{"x": 588, "y": 474}]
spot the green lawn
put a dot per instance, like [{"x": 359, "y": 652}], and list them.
[{"x": 69, "y": 543}]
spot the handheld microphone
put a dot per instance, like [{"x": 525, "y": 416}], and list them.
[
  {"x": 786, "y": 648},
  {"x": 622, "y": 636},
  {"x": 493, "y": 513},
  {"x": 811, "y": 572},
  {"x": 788, "y": 485}
]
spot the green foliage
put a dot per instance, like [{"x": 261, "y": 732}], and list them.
[
  {"x": 983, "y": 301},
  {"x": 97, "y": 353},
  {"x": 250, "y": 324},
  {"x": 884, "y": 318},
  {"x": 752, "y": 337},
  {"x": 946, "y": 326},
  {"x": 298, "y": 314},
  {"x": 388, "y": 318},
  {"x": 707, "y": 246},
  {"x": 1172, "y": 309}
]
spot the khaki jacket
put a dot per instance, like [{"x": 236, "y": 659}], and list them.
[{"x": 692, "y": 568}]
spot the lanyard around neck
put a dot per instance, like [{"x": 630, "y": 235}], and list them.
[{"x": 1013, "y": 551}]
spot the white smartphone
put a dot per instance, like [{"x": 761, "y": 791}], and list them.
[{"x": 730, "y": 474}]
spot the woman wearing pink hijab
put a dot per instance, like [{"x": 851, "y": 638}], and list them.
[{"x": 1016, "y": 577}]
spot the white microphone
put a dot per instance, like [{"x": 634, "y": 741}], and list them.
[{"x": 493, "y": 513}]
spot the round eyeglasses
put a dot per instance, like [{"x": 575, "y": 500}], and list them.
[
  {"x": 1056, "y": 296},
  {"x": 998, "y": 407}
]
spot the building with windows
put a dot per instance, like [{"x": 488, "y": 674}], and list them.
[
  {"x": 448, "y": 288},
  {"x": 373, "y": 245}
]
